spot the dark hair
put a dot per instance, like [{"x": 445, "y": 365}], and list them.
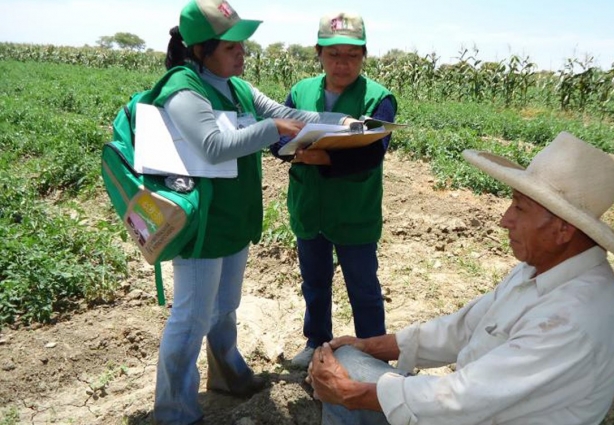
[
  {"x": 319, "y": 50},
  {"x": 177, "y": 53}
]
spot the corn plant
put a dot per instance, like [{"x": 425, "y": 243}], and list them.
[{"x": 582, "y": 85}]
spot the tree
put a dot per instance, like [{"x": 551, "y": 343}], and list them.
[
  {"x": 274, "y": 50},
  {"x": 252, "y": 48},
  {"x": 126, "y": 40},
  {"x": 302, "y": 53},
  {"x": 105, "y": 41},
  {"x": 123, "y": 40}
]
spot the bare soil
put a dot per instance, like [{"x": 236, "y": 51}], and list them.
[{"x": 97, "y": 365}]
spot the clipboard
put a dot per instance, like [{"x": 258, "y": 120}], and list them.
[
  {"x": 348, "y": 140},
  {"x": 331, "y": 137}
]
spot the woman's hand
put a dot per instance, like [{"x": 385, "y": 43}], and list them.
[
  {"x": 288, "y": 127},
  {"x": 348, "y": 120},
  {"x": 312, "y": 157}
]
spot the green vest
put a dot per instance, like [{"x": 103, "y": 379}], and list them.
[
  {"x": 235, "y": 213},
  {"x": 346, "y": 210}
]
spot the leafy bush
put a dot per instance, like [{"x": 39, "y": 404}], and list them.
[
  {"x": 276, "y": 227},
  {"x": 50, "y": 260},
  {"x": 50, "y": 158}
]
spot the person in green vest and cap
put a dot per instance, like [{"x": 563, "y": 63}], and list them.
[
  {"x": 204, "y": 59},
  {"x": 335, "y": 196}
]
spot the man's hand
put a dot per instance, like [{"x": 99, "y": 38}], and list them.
[
  {"x": 327, "y": 376},
  {"x": 332, "y": 384},
  {"x": 383, "y": 347},
  {"x": 357, "y": 343}
]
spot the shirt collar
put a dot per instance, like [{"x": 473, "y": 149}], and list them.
[
  {"x": 568, "y": 269},
  {"x": 210, "y": 76}
]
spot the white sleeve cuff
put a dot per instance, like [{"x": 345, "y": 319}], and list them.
[
  {"x": 408, "y": 342},
  {"x": 390, "y": 394}
]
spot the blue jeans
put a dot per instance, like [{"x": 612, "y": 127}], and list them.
[
  {"x": 207, "y": 293},
  {"x": 359, "y": 266},
  {"x": 363, "y": 368}
]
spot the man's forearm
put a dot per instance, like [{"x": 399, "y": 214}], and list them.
[
  {"x": 383, "y": 347},
  {"x": 361, "y": 395}
]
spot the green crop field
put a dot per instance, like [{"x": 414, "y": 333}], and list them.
[{"x": 57, "y": 105}]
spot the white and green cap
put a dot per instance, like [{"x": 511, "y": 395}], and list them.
[
  {"x": 203, "y": 20},
  {"x": 342, "y": 28}
]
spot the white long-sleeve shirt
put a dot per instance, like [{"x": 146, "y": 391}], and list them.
[{"x": 533, "y": 351}]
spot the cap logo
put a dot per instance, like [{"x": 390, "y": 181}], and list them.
[
  {"x": 341, "y": 28},
  {"x": 226, "y": 10},
  {"x": 338, "y": 24}
]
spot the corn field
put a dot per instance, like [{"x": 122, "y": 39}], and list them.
[{"x": 512, "y": 82}]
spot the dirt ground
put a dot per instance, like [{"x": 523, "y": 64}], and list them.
[{"x": 97, "y": 366}]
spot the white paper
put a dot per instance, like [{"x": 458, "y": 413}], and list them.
[
  {"x": 309, "y": 134},
  {"x": 160, "y": 149},
  {"x": 373, "y": 124},
  {"x": 312, "y": 133}
]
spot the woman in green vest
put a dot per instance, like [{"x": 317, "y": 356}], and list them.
[
  {"x": 335, "y": 197},
  {"x": 204, "y": 58}
]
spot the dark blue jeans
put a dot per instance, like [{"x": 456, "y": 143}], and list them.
[{"x": 359, "y": 266}]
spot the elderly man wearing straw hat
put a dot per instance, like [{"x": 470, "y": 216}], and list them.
[{"x": 538, "y": 349}]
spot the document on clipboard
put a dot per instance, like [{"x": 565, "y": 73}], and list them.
[
  {"x": 160, "y": 149},
  {"x": 372, "y": 123},
  {"x": 331, "y": 137}
]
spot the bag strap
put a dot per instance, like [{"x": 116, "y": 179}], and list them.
[
  {"x": 203, "y": 210},
  {"x": 128, "y": 113},
  {"x": 159, "y": 286}
]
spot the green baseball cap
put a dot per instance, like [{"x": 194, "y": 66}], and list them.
[
  {"x": 342, "y": 28},
  {"x": 203, "y": 20}
]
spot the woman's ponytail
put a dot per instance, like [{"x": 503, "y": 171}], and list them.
[{"x": 176, "y": 52}]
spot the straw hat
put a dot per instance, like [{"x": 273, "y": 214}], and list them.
[{"x": 569, "y": 177}]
